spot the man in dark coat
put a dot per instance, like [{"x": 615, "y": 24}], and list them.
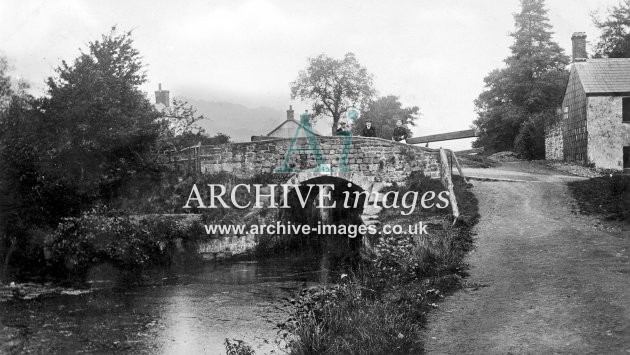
[
  {"x": 369, "y": 131},
  {"x": 400, "y": 132},
  {"x": 342, "y": 130}
]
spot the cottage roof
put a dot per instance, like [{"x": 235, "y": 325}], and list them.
[
  {"x": 604, "y": 76},
  {"x": 290, "y": 120}
]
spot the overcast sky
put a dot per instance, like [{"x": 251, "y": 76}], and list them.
[{"x": 433, "y": 54}]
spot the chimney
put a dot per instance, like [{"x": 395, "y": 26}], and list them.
[
  {"x": 290, "y": 115},
  {"x": 579, "y": 47},
  {"x": 161, "y": 96}
]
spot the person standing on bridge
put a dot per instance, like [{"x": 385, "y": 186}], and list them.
[
  {"x": 369, "y": 131},
  {"x": 400, "y": 132},
  {"x": 343, "y": 129}
]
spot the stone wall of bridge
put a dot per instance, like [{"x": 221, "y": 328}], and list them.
[
  {"x": 371, "y": 164},
  {"x": 376, "y": 158}
]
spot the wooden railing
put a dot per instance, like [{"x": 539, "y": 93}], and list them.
[{"x": 446, "y": 176}]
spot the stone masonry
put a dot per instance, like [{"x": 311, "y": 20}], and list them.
[
  {"x": 371, "y": 164},
  {"x": 607, "y": 134},
  {"x": 379, "y": 159}
]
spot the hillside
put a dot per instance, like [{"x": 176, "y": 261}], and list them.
[{"x": 237, "y": 121}]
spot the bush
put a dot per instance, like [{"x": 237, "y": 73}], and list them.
[
  {"x": 416, "y": 181},
  {"x": 237, "y": 347},
  {"x": 344, "y": 319},
  {"x": 127, "y": 243},
  {"x": 530, "y": 140}
]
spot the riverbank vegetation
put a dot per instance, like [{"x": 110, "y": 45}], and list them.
[
  {"x": 382, "y": 306},
  {"x": 129, "y": 244}
]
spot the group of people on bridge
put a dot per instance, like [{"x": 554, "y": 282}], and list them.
[{"x": 400, "y": 133}]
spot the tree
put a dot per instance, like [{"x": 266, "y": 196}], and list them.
[
  {"x": 179, "y": 128},
  {"x": 60, "y": 154},
  {"x": 17, "y": 147},
  {"x": 5, "y": 84},
  {"x": 5, "y": 203},
  {"x": 614, "y": 41},
  {"x": 181, "y": 117},
  {"x": 21, "y": 204},
  {"x": 334, "y": 86},
  {"x": 529, "y": 87},
  {"x": 103, "y": 128},
  {"x": 383, "y": 112}
]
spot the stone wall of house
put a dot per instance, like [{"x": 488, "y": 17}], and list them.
[
  {"x": 374, "y": 157},
  {"x": 607, "y": 134},
  {"x": 554, "y": 147}
]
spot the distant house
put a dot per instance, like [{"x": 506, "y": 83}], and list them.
[
  {"x": 594, "y": 124},
  {"x": 286, "y": 129}
]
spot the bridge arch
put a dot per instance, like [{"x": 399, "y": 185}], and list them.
[
  {"x": 368, "y": 210},
  {"x": 366, "y": 183}
]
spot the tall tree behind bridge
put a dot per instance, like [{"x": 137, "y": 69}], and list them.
[
  {"x": 614, "y": 41},
  {"x": 519, "y": 98},
  {"x": 334, "y": 86},
  {"x": 383, "y": 113}
]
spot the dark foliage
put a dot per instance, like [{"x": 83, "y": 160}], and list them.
[
  {"x": 93, "y": 134},
  {"x": 608, "y": 196},
  {"x": 383, "y": 113},
  {"x": 102, "y": 129},
  {"x": 130, "y": 244},
  {"x": 531, "y": 85},
  {"x": 614, "y": 41},
  {"x": 530, "y": 140}
]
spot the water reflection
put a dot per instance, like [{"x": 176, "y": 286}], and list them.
[{"x": 192, "y": 312}]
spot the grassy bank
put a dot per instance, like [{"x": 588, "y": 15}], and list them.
[
  {"x": 382, "y": 307},
  {"x": 608, "y": 196}
]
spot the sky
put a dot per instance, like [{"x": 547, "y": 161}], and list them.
[{"x": 432, "y": 54}]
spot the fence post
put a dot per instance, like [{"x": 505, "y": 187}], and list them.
[
  {"x": 447, "y": 181},
  {"x": 459, "y": 168}
]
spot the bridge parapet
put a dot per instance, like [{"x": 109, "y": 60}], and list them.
[{"x": 372, "y": 157}]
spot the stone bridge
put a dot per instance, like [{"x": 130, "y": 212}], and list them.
[
  {"x": 368, "y": 160},
  {"x": 369, "y": 163}
]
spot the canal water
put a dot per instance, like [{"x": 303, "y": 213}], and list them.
[{"x": 190, "y": 312}]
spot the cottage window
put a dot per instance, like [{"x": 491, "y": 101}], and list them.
[
  {"x": 565, "y": 114},
  {"x": 626, "y": 109}
]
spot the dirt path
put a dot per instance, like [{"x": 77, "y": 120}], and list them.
[{"x": 542, "y": 279}]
